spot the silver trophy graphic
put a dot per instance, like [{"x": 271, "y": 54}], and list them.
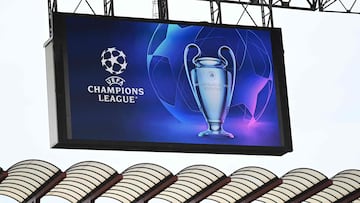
[{"x": 212, "y": 83}]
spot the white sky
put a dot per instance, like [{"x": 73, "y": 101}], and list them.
[{"x": 322, "y": 57}]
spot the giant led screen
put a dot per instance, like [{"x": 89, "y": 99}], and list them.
[{"x": 141, "y": 84}]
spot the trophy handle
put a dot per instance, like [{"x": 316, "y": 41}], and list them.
[
  {"x": 187, "y": 67},
  {"x": 226, "y": 64},
  {"x": 187, "y": 50}
]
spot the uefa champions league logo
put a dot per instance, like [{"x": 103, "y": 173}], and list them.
[{"x": 114, "y": 62}]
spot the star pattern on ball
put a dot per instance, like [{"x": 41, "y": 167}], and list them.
[{"x": 113, "y": 60}]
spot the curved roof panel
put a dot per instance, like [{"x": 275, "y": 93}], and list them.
[
  {"x": 25, "y": 178},
  {"x": 191, "y": 182},
  {"x": 295, "y": 184},
  {"x": 343, "y": 184},
  {"x": 30, "y": 180},
  {"x": 81, "y": 179},
  {"x": 245, "y": 182},
  {"x": 138, "y": 181}
]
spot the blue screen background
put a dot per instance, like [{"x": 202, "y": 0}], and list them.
[{"x": 167, "y": 112}]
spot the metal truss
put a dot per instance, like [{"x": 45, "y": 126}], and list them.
[
  {"x": 340, "y": 6},
  {"x": 263, "y": 6},
  {"x": 257, "y": 12},
  {"x": 53, "y": 7},
  {"x": 247, "y": 8}
]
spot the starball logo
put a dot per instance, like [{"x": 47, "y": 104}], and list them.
[{"x": 114, "y": 62}]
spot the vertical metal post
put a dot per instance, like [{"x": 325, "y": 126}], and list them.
[
  {"x": 109, "y": 7},
  {"x": 52, "y": 7},
  {"x": 163, "y": 9},
  {"x": 271, "y": 20},
  {"x": 212, "y": 11},
  {"x": 267, "y": 18},
  {"x": 217, "y": 11},
  {"x": 263, "y": 15},
  {"x": 314, "y": 4},
  {"x": 219, "y": 18}
]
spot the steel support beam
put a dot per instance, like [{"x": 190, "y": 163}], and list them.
[
  {"x": 163, "y": 9},
  {"x": 339, "y": 6},
  {"x": 52, "y": 7},
  {"x": 109, "y": 7},
  {"x": 266, "y": 8},
  {"x": 215, "y": 12},
  {"x": 267, "y": 13}
]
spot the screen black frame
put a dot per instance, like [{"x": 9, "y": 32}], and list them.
[{"x": 62, "y": 137}]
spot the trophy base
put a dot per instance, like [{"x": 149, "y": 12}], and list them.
[{"x": 221, "y": 133}]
